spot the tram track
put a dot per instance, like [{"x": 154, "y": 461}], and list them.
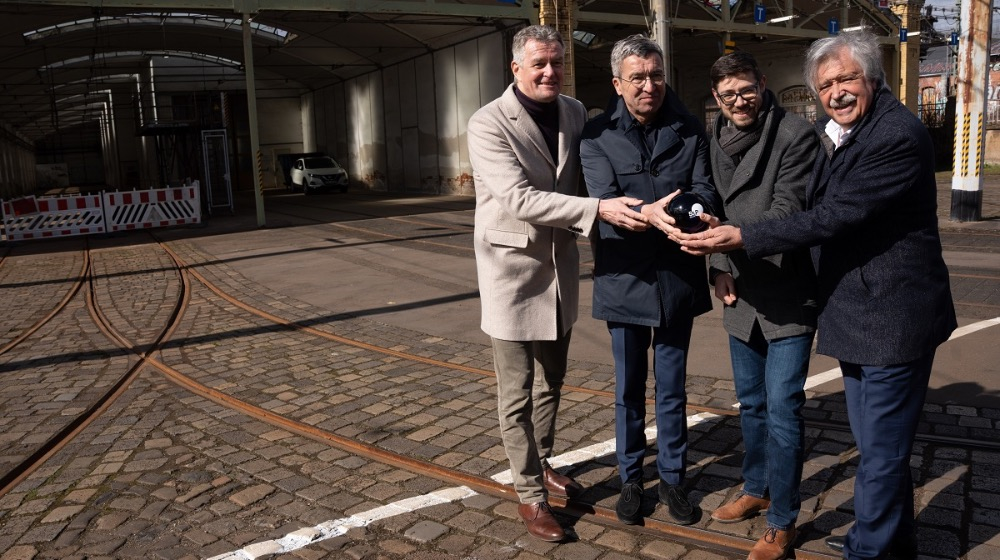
[
  {"x": 99, "y": 405},
  {"x": 691, "y": 535},
  {"x": 724, "y": 412},
  {"x": 70, "y": 294},
  {"x": 604, "y": 516}
]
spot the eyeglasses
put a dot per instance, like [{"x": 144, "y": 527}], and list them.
[
  {"x": 657, "y": 79},
  {"x": 747, "y": 94}
]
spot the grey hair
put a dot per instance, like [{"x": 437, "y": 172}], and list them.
[
  {"x": 540, "y": 33},
  {"x": 638, "y": 45},
  {"x": 861, "y": 45}
]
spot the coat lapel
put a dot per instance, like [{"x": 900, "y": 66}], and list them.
[
  {"x": 522, "y": 121},
  {"x": 747, "y": 167},
  {"x": 565, "y": 123},
  {"x": 665, "y": 140}
]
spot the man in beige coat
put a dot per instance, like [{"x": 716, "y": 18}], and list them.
[{"x": 524, "y": 150}]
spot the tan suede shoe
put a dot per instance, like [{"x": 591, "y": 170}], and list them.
[{"x": 744, "y": 507}]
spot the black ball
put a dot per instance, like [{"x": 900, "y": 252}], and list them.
[{"x": 686, "y": 208}]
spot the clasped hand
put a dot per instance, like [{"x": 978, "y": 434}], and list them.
[
  {"x": 618, "y": 212},
  {"x": 716, "y": 239}
]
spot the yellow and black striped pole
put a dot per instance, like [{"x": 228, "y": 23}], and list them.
[{"x": 970, "y": 108}]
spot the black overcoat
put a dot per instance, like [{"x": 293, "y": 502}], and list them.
[{"x": 643, "y": 278}]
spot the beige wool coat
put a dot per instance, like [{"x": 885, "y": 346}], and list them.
[{"x": 528, "y": 218}]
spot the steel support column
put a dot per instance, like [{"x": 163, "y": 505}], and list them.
[
  {"x": 661, "y": 34},
  {"x": 258, "y": 185}
]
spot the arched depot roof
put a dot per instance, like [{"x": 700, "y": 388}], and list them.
[{"x": 61, "y": 60}]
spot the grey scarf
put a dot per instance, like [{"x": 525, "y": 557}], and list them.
[{"x": 735, "y": 142}]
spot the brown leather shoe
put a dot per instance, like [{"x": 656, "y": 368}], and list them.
[
  {"x": 744, "y": 507},
  {"x": 560, "y": 485},
  {"x": 774, "y": 545},
  {"x": 540, "y": 522}
]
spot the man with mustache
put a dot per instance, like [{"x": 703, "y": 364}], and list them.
[
  {"x": 645, "y": 146},
  {"x": 885, "y": 301},
  {"x": 524, "y": 150},
  {"x": 761, "y": 161}
]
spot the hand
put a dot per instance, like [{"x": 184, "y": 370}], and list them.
[
  {"x": 725, "y": 288},
  {"x": 717, "y": 239},
  {"x": 656, "y": 213},
  {"x": 618, "y": 212}
]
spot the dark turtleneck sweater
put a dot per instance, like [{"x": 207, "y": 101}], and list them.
[{"x": 546, "y": 116}]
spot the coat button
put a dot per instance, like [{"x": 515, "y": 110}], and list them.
[
  {"x": 654, "y": 172},
  {"x": 637, "y": 167}
]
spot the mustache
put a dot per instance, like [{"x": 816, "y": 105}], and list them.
[{"x": 844, "y": 100}]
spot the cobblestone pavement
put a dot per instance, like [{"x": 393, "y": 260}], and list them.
[{"x": 168, "y": 473}]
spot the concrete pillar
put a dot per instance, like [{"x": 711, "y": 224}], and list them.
[
  {"x": 908, "y": 89},
  {"x": 559, "y": 14}
]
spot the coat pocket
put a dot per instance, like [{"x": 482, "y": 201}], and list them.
[{"x": 507, "y": 238}]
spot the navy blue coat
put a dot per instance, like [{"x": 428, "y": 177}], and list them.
[
  {"x": 872, "y": 221},
  {"x": 643, "y": 278}
]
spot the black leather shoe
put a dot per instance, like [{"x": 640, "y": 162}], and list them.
[
  {"x": 836, "y": 543},
  {"x": 629, "y": 506},
  {"x": 678, "y": 506}
]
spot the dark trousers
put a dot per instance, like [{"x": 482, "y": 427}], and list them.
[
  {"x": 629, "y": 346},
  {"x": 884, "y": 405}
]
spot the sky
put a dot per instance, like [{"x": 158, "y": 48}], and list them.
[{"x": 949, "y": 13}]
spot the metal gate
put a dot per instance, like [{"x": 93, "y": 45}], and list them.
[{"x": 218, "y": 188}]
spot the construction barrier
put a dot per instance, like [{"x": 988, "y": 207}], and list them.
[
  {"x": 37, "y": 218},
  {"x": 152, "y": 208}
]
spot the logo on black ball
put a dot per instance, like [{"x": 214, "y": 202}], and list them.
[{"x": 686, "y": 209}]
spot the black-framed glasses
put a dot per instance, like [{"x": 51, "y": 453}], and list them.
[
  {"x": 747, "y": 94},
  {"x": 656, "y": 78}
]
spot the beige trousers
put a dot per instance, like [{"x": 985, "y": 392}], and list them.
[{"x": 527, "y": 404}]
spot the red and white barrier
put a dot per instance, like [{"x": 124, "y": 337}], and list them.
[
  {"x": 36, "y": 218},
  {"x": 152, "y": 208}
]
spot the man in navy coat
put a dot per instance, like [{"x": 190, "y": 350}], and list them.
[
  {"x": 885, "y": 300},
  {"x": 646, "y": 146}
]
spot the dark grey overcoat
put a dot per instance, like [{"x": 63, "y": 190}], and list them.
[
  {"x": 872, "y": 221},
  {"x": 769, "y": 182}
]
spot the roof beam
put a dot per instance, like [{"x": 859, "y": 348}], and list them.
[
  {"x": 425, "y": 7},
  {"x": 719, "y": 26}
]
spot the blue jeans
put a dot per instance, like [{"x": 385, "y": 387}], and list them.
[
  {"x": 769, "y": 378},
  {"x": 629, "y": 346},
  {"x": 884, "y": 404}
]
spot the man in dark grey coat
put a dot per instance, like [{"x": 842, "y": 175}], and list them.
[
  {"x": 761, "y": 161},
  {"x": 646, "y": 146},
  {"x": 885, "y": 301}
]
